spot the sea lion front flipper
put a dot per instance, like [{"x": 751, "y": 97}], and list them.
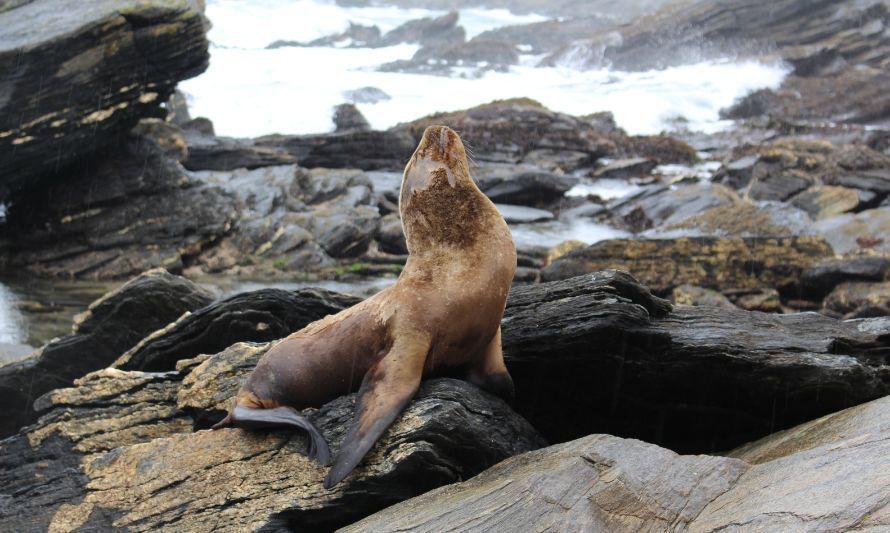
[
  {"x": 489, "y": 372},
  {"x": 386, "y": 389}
]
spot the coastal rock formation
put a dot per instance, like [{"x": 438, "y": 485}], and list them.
[
  {"x": 110, "y": 326},
  {"x": 129, "y": 448},
  {"x": 829, "y": 474},
  {"x": 115, "y": 216},
  {"x": 74, "y": 84}
]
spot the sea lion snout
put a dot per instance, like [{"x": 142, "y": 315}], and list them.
[
  {"x": 441, "y": 144},
  {"x": 440, "y": 152}
]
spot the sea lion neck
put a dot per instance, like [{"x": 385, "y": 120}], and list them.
[{"x": 439, "y": 203}]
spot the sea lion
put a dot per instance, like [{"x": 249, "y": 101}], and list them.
[{"x": 442, "y": 317}]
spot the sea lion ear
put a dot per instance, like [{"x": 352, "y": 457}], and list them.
[{"x": 387, "y": 388}]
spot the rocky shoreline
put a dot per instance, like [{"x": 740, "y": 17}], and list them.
[{"x": 738, "y": 325}]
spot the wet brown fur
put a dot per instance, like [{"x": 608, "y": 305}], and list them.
[{"x": 442, "y": 315}]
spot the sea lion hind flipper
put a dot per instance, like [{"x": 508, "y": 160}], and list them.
[
  {"x": 386, "y": 389},
  {"x": 250, "y": 418}
]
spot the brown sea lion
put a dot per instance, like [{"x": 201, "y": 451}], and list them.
[{"x": 442, "y": 316}]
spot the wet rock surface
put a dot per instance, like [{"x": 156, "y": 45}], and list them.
[{"x": 155, "y": 44}]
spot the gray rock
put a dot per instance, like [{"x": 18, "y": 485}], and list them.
[
  {"x": 534, "y": 189},
  {"x": 366, "y": 95},
  {"x": 598, "y": 483},
  {"x": 625, "y": 169},
  {"x": 849, "y": 232},
  {"x": 778, "y": 187},
  {"x": 87, "y": 97},
  {"x": 819, "y": 280},
  {"x": 347, "y": 117},
  {"x": 828, "y": 474},
  {"x": 825, "y": 201},
  {"x": 390, "y": 235},
  {"x": 659, "y": 206}
]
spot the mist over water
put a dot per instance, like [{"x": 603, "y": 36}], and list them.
[
  {"x": 250, "y": 91},
  {"x": 12, "y": 323}
]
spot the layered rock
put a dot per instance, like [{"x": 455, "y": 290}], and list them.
[
  {"x": 78, "y": 82},
  {"x": 117, "y": 215},
  {"x": 111, "y": 325},
  {"x": 117, "y": 451},
  {"x": 713, "y": 262},
  {"x": 700, "y": 379},
  {"x": 827, "y": 474}
]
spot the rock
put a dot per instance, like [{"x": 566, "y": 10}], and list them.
[
  {"x": 623, "y": 169},
  {"x": 743, "y": 219},
  {"x": 208, "y": 152},
  {"x": 692, "y": 295},
  {"x": 697, "y": 380},
  {"x": 662, "y": 149},
  {"x": 347, "y": 117},
  {"x": 507, "y": 131},
  {"x": 366, "y": 150},
  {"x": 83, "y": 484},
  {"x": 826, "y": 474},
  {"x": 517, "y": 214},
  {"x": 178, "y": 109},
  {"x": 867, "y": 230},
  {"x": 764, "y": 300},
  {"x": 826, "y": 201},
  {"x": 434, "y": 32},
  {"x": 710, "y": 262},
  {"x": 483, "y": 55},
  {"x": 257, "y": 316},
  {"x": 529, "y": 188},
  {"x": 356, "y": 35},
  {"x": 779, "y": 187},
  {"x": 391, "y": 236},
  {"x": 859, "y": 299},
  {"x": 344, "y": 235},
  {"x": 366, "y": 95},
  {"x": 819, "y": 280},
  {"x": 660, "y": 205},
  {"x": 111, "y": 325},
  {"x": 116, "y": 216},
  {"x": 96, "y": 72},
  {"x": 598, "y": 483},
  {"x": 548, "y": 35}
]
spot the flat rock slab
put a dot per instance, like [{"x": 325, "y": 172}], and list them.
[
  {"x": 830, "y": 474},
  {"x": 77, "y": 74}
]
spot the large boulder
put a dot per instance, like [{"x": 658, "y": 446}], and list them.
[
  {"x": 77, "y": 75},
  {"x": 829, "y": 474},
  {"x": 112, "y": 325},
  {"x": 599, "y": 354}
]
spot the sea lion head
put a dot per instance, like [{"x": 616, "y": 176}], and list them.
[{"x": 439, "y": 202}]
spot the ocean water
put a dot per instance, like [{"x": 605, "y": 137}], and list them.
[{"x": 250, "y": 91}]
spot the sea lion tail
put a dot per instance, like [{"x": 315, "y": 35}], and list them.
[{"x": 250, "y": 418}]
